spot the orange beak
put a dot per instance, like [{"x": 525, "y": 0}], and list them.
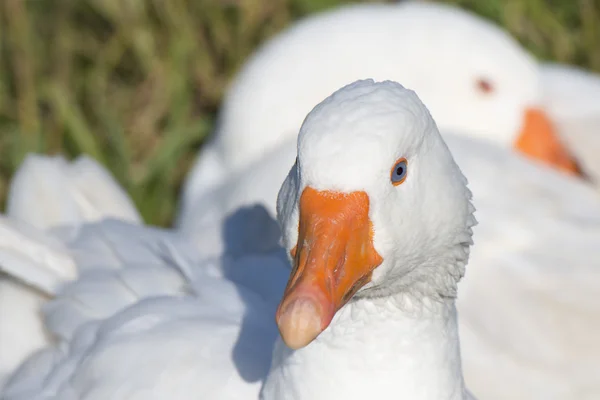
[
  {"x": 538, "y": 141},
  {"x": 334, "y": 257}
]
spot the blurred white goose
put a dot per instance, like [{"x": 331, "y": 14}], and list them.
[
  {"x": 368, "y": 310},
  {"x": 474, "y": 77},
  {"x": 46, "y": 192}
]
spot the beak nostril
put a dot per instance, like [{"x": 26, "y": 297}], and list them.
[{"x": 357, "y": 285}]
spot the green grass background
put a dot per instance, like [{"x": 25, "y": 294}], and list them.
[{"x": 136, "y": 83}]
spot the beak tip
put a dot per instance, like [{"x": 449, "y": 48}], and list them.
[{"x": 299, "y": 323}]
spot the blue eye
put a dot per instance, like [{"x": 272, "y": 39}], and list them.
[{"x": 399, "y": 170}]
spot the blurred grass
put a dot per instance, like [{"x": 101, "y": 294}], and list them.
[{"x": 136, "y": 83}]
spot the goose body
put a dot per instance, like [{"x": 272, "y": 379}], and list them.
[
  {"x": 46, "y": 193},
  {"x": 370, "y": 312},
  {"x": 152, "y": 319},
  {"x": 526, "y": 307}
]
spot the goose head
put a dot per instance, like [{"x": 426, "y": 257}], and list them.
[
  {"x": 374, "y": 205},
  {"x": 474, "y": 77}
]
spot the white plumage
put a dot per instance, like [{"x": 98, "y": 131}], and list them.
[
  {"x": 46, "y": 193},
  {"x": 50, "y": 191},
  {"x": 525, "y": 311},
  {"x": 149, "y": 319}
]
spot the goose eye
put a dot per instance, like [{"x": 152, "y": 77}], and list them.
[
  {"x": 398, "y": 173},
  {"x": 484, "y": 86}
]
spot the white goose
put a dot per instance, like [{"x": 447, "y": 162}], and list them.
[
  {"x": 369, "y": 306},
  {"x": 536, "y": 266},
  {"x": 45, "y": 193},
  {"x": 474, "y": 77},
  {"x": 527, "y": 308}
]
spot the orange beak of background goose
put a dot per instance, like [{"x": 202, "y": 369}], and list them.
[
  {"x": 333, "y": 258},
  {"x": 539, "y": 141}
]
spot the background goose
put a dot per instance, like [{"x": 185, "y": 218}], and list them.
[
  {"x": 46, "y": 193},
  {"x": 527, "y": 305},
  {"x": 474, "y": 77},
  {"x": 369, "y": 306}
]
